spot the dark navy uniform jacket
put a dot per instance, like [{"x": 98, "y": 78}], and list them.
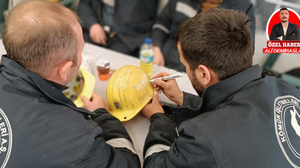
[
  {"x": 40, "y": 127},
  {"x": 247, "y": 120}
]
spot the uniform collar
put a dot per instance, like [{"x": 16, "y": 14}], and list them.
[
  {"x": 58, "y": 86},
  {"x": 23, "y": 78},
  {"x": 219, "y": 92}
]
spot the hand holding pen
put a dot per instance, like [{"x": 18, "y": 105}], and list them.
[
  {"x": 168, "y": 87},
  {"x": 169, "y": 77}
]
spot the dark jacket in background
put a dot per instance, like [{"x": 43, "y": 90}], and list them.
[
  {"x": 245, "y": 6},
  {"x": 248, "y": 120},
  {"x": 166, "y": 25},
  {"x": 175, "y": 13},
  {"x": 292, "y": 32},
  {"x": 43, "y": 128},
  {"x": 132, "y": 20}
]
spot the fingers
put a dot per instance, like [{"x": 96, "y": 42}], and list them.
[
  {"x": 95, "y": 97},
  {"x": 161, "y": 74},
  {"x": 98, "y": 100},
  {"x": 95, "y": 39},
  {"x": 159, "y": 62},
  {"x": 103, "y": 38},
  {"x": 162, "y": 62},
  {"x": 158, "y": 89},
  {"x": 94, "y": 103},
  {"x": 97, "y": 34},
  {"x": 100, "y": 38},
  {"x": 84, "y": 99},
  {"x": 155, "y": 98},
  {"x": 160, "y": 84},
  {"x": 158, "y": 59},
  {"x": 153, "y": 107}
]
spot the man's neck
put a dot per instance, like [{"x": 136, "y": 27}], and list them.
[{"x": 285, "y": 23}]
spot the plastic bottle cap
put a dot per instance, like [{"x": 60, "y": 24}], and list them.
[
  {"x": 103, "y": 63},
  {"x": 148, "y": 40}
]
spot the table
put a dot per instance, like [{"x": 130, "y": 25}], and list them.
[{"x": 138, "y": 126}]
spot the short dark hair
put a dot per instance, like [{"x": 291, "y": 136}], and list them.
[
  {"x": 283, "y": 9},
  {"x": 219, "y": 39}
]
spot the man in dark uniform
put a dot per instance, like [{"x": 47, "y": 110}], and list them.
[
  {"x": 285, "y": 30},
  {"x": 240, "y": 118},
  {"x": 120, "y": 25},
  {"x": 40, "y": 126}
]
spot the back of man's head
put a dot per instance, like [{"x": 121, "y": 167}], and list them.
[
  {"x": 39, "y": 35},
  {"x": 220, "y": 39}
]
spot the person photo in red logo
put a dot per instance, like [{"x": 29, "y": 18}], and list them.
[{"x": 285, "y": 30}]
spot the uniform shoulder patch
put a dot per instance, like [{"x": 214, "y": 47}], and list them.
[
  {"x": 287, "y": 127},
  {"x": 5, "y": 139}
]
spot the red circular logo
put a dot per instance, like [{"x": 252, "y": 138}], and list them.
[{"x": 275, "y": 19}]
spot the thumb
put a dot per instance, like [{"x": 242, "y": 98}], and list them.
[
  {"x": 84, "y": 99},
  {"x": 155, "y": 98}
]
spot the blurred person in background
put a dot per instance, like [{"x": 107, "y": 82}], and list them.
[
  {"x": 175, "y": 13},
  {"x": 120, "y": 25}
]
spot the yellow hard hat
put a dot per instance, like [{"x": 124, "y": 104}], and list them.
[
  {"x": 128, "y": 91},
  {"x": 82, "y": 85}
]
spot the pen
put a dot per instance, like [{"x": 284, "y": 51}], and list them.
[{"x": 168, "y": 77}]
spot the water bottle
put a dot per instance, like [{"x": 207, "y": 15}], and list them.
[{"x": 146, "y": 56}]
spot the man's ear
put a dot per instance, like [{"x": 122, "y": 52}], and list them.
[
  {"x": 60, "y": 73},
  {"x": 63, "y": 70},
  {"x": 203, "y": 75},
  {"x": 206, "y": 76}
]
